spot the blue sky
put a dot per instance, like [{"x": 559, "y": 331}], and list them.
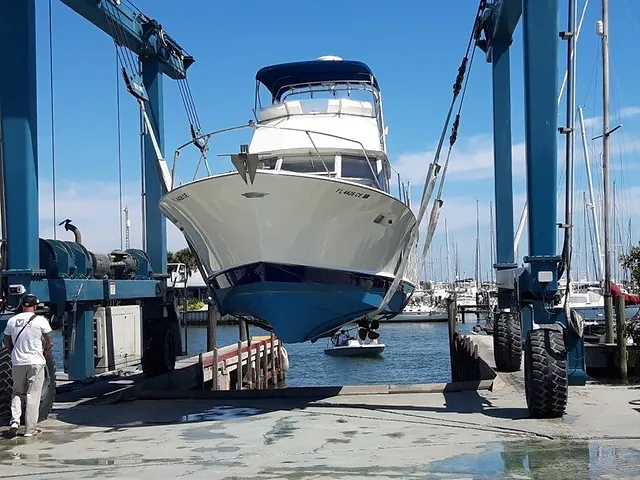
[{"x": 414, "y": 51}]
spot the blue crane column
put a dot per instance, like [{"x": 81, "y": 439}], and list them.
[
  {"x": 18, "y": 130},
  {"x": 540, "y": 37},
  {"x": 534, "y": 288},
  {"x": 503, "y": 163},
  {"x": 156, "y": 225}
]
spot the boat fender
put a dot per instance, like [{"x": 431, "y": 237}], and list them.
[{"x": 285, "y": 359}]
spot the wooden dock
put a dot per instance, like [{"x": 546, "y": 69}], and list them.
[{"x": 257, "y": 364}]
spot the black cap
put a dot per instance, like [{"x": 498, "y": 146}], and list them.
[{"x": 29, "y": 300}]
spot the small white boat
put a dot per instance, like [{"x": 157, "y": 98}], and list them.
[{"x": 354, "y": 348}]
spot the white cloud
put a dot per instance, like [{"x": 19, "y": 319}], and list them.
[
  {"x": 471, "y": 159},
  {"x": 94, "y": 208},
  {"x": 623, "y": 113}
]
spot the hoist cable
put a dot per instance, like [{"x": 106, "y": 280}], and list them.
[
  {"x": 456, "y": 126},
  {"x": 119, "y": 145},
  {"x": 53, "y": 142},
  {"x": 118, "y": 35},
  {"x": 193, "y": 105},
  {"x": 437, "y": 204}
]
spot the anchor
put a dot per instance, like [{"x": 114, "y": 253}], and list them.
[{"x": 246, "y": 163}]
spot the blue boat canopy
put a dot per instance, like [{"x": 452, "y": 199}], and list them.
[{"x": 275, "y": 77}]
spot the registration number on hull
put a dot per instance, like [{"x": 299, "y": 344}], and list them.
[{"x": 352, "y": 193}]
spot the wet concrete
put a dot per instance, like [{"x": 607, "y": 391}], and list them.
[{"x": 421, "y": 435}]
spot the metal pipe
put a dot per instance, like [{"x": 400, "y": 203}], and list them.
[
  {"x": 570, "y": 144},
  {"x": 608, "y": 305}
]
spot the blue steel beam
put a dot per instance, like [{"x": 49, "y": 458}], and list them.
[
  {"x": 540, "y": 37},
  {"x": 137, "y": 32},
  {"x": 503, "y": 154},
  {"x": 18, "y": 134},
  {"x": 156, "y": 224}
]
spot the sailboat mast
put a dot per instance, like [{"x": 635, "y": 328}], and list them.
[
  {"x": 592, "y": 198},
  {"x": 586, "y": 237},
  {"x": 446, "y": 236},
  {"x": 603, "y": 30},
  {"x": 478, "y": 274}
]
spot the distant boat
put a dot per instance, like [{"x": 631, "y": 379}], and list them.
[
  {"x": 419, "y": 309},
  {"x": 354, "y": 348}
]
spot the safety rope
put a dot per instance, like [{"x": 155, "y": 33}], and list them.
[
  {"x": 53, "y": 135},
  {"x": 408, "y": 244}
]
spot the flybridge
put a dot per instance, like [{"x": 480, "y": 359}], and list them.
[{"x": 279, "y": 79}]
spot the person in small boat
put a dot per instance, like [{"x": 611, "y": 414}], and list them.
[{"x": 342, "y": 339}]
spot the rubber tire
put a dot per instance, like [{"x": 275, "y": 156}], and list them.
[
  {"x": 545, "y": 377},
  {"x": 507, "y": 342},
  {"x": 159, "y": 355},
  {"x": 6, "y": 388}
]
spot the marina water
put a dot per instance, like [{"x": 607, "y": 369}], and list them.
[{"x": 414, "y": 353}]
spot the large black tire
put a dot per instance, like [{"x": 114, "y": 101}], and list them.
[
  {"x": 6, "y": 388},
  {"x": 507, "y": 342},
  {"x": 159, "y": 355},
  {"x": 545, "y": 373}
]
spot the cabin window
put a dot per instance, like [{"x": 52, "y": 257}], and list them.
[
  {"x": 309, "y": 163},
  {"x": 357, "y": 168},
  {"x": 268, "y": 163},
  {"x": 383, "y": 180}
]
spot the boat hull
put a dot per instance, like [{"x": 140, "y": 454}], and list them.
[
  {"x": 369, "y": 350},
  {"x": 290, "y": 218},
  {"x": 296, "y": 305},
  {"x": 304, "y": 254}
]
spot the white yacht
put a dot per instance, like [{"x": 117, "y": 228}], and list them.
[{"x": 305, "y": 235}]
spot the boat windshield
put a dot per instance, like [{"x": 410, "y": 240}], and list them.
[
  {"x": 369, "y": 171},
  {"x": 360, "y": 169},
  {"x": 309, "y": 163}
]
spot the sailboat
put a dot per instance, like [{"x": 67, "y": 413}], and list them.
[{"x": 305, "y": 235}]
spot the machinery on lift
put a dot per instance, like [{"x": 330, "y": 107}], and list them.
[
  {"x": 114, "y": 309},
  {"x": 552, "y": 341}
]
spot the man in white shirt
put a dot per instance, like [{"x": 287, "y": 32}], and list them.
[{"x": 28, "y": 336}]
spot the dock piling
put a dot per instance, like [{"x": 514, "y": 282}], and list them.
[
  {"x": 451, "y": 318},
  {"x": 239, "y": 367},
  {"x": 215, "y": 384},
  {"x": 621, "y": 336},
  {"x": 212, "y": 326},
  {"x": 265, "y": 367},
  {"x": 272, "y": 357}
]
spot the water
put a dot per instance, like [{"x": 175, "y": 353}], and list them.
[
  {"x": 414, "y": 353},
  {"x": 528, "y": 459}
]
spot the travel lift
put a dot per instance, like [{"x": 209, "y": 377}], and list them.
[
  {"x": 554, "y": 354},
  {"x": 116, "y": 309}
]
